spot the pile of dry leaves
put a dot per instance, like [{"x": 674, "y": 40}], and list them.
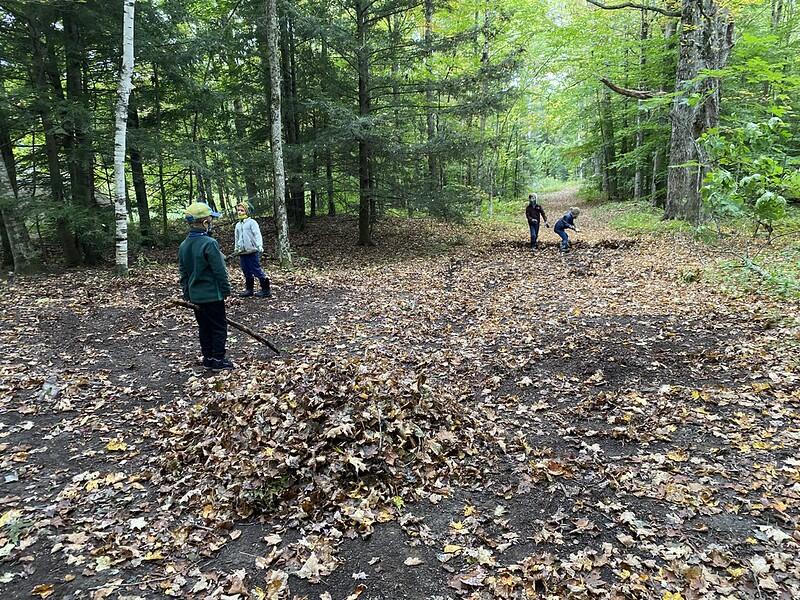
[{"x": 311, "y": 435}]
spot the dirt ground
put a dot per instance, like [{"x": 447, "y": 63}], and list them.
[{"x": 627, "y": 428}]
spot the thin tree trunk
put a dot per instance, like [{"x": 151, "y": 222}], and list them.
[
  {"x": 279, "y": 178},
  {"x": 364, "y": 157},
  {"x": 7, "y": 154},
  {"x": 43, "y": 106},
  {"x": 24, "y": 255},
  {"x": 137, "y": 173},
  {"x": 777, "y": 13},
  {"x": 161, "y": 187},
  {"x": 241, "y": 133},
  {"x": 609, "y": 145},
  {"x": 329, "y": 182},
  {"x": 80, "y": 156},
  {"x": 430, "y": 116},
  {"x": 121, "y": 216},
  {"x": 328, "y": 158},
  {"x": 480, "y": 168},
  {"x": 294, "y": 152},
  {"x": 314, "y": 192},
  {"x": 654, "y": 184},
  {"x": 205, "y": 177},
  {"x": 638, "y": 178}
]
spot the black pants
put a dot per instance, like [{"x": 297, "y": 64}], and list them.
[{"x": 213, "y": 328}]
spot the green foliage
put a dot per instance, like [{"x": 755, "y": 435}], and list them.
[
  {"x": 754, "y": 172},
  {"x": 589, "y": 191},
  {"x": 454, "y": 202},
  {"x": 501, "y": 97}
]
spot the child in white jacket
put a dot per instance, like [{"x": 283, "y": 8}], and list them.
[{"x": 249, "y": 246}]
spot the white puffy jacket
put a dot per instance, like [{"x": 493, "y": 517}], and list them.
[{"x": 247, "y": 237}]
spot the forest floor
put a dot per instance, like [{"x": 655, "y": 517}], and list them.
[{"x": 452, "y": 416}]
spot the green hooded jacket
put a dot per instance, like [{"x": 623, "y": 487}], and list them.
[{"x": 204, "y": 277}]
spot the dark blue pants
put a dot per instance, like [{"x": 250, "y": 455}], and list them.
[
  {"x": 564, "y": 239},
  {"x": 251, "y": 267},
  {"x": 534, "y": 225}
]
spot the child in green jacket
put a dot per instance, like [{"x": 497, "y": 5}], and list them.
[{"x": 204, "y": 281}]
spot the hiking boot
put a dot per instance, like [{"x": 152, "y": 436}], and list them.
[
  {"x": 249, "y": 282},
  {"x": 221, "y": 364},
  {"x": 208, "y": 363},
  {"x": 265, "y": 291}
]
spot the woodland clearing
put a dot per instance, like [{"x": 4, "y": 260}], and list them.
[{"x": 452, "y": 416}]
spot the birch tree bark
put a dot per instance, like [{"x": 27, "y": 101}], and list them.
[
  {"x": 26, "y": 258},
  {"x": 279, "y": 175},
  {"x": 120, "y": 129}
]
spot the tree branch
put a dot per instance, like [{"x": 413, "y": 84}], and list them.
[
  {"x": 638, "y": 94},
  {"x": 663, "y": 11}
]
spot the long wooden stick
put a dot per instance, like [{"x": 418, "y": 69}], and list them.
[{"x": 234, "y": 324}]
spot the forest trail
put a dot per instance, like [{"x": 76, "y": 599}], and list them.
[{"x": 605, "y": 425}]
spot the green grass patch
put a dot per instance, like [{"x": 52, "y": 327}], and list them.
[{"x": 641, "y": 217}]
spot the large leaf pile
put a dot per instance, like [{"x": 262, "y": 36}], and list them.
[{"x": 303, "y": 437}]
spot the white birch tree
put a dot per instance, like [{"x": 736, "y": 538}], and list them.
[
  {"x": 26, "y": 257},
  {"x": 281, "y": 222},
  {"x": 120, "y": 129}
]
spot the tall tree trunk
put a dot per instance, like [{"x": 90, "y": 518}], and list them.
[
  {"x": 430, "y": 116},
  {"x": 46, "y": 83},
  {"x": 609, "y": 145},
  {"x": 137, "y": 173},
  {"x": 24, "y": 256},
  {"x": 279, "y": 177},
  {"x": 161, "y": 186},
  {"x": 80, "y": 158},
  {"x": 294, "y": 153},
  {"x": 480, "y": 166},
  {"x": 297, "y": 181},
  {"x": 638, "y": 178},
  {"x": 205, "y": 177},
  {"x": 241, "y": 133},
  {"x": 328, "y": 158},
  {"x": 705, "y": 42},
  {"x": 7, "y": 154},
  {"x": 78, "y": 121},
  {"x": 314, "y": 192},
  {"x": 655, "y": 199},
  {"x": 364, "y": 150},
  {"x": 396, "y": 189},
  {"x": 777, "y": 13},
  {"x": 329, "y": 182},
  {"x": 121, "y": 216}
]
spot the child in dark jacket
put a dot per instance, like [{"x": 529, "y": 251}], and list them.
[
  {"x": 564, "y": 223},
  {"x": 204, "y": 281},
  {"x": 534, "y": 213}
]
